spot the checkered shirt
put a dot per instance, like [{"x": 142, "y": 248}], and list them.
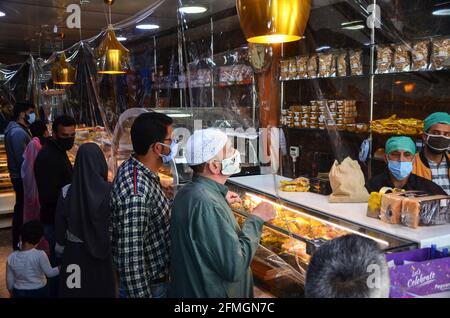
[
  {"x": 439, "y": 173},
  {"x": 140, "y": 218}
]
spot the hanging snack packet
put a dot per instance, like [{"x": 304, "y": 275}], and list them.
[
  {"x": 356, "y": 65},
  {"x": 402, "y": 61},
  {"x": 420, "y": 55},
  {"x": 385, "y": 57}
]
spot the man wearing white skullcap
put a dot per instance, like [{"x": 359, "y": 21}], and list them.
[{"x": 210, "y": 253}]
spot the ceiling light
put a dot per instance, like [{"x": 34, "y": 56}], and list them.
[
  {"x": 323, "y": 48},
  {"x": 275, "y": 22},
  {"x": 147, "y": 26},
  {"x": 352, "y": 22},
  {"x": 192, "y": 9},
  {"x": 121, "y": 38},
  {"x": 354, "y": 27},
  {"x": 2, "y": 14},
  {"x": 441, "y": 12}
]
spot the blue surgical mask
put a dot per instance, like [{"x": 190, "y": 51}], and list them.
[
  {"x": 173, "y": 152},
  {"x": 30, "y": 118},
  {"x": 400, "y": 169}
]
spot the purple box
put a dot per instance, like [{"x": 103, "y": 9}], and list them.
[{"x": 425, "y": 277}]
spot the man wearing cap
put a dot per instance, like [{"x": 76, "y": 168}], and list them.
[
  {"x": 399, "y": 158},
  {"x": 433, "y": 161},
  {"x": 210, "y": 254}
]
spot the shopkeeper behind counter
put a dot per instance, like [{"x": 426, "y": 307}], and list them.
[
  {"x": 399, "y": 157},
  {"x": 433, "y": 161}
]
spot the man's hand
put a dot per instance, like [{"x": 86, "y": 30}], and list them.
[
  {"x": 265, "y": 211},
  {"x": 233, "y": 198}
]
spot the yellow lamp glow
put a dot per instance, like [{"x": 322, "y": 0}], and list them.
[
  {"x": 62, "y": 72},
  {"x": 275, "y": 21},
  {"x": 112, "y": 56}
]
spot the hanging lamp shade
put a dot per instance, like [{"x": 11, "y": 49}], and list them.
[
  {"x": 62, "y": 72},
  {"x": 112, "y": 56},
  {"x": 274, "y": 21}
]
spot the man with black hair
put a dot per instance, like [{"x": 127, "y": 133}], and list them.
[
  {"x": 53, "y": 170},
  {"x": 349, "y": 266},
  {"x": 27, "y": 270},
  {"x": 140, "y": 211},
  {"x": 17, "y": 137},
  {"x": 433, "y": 162}
]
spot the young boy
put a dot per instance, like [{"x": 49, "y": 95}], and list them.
[{"x": 27, "y": 270}]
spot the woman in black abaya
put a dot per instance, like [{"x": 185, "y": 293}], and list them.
[{"x": 82, "y": 229}]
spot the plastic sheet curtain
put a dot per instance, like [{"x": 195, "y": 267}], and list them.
[{"x": 19, "y": 82}]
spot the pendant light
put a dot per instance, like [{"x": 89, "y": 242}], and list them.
[
  {"x": 112, "y": 56},
  {"x": 274, "y": 21},
  {"x": 62, "y": 72}
]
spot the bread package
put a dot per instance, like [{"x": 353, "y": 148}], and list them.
[
  {"x": 356, "y": 63},
  {"x": 391, "y": 208},
  {"x": 302, "y": 66},
  {"x": 420, "y": 55},
  {"x": 374, "y": 203},
  {"x": 312, "y": 66},
  {"x": 342, "y": 64},
  {"x": 385, "y": 58},
  {"x": 440, "y": 53},
  {"x": 402, "y": 60},
  {"x": 418, "y": 210}
]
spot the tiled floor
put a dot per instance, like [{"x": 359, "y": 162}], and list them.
[{"x": 5, "y": 250}]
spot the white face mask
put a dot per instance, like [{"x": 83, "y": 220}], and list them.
[{"x": 232, "y": 165}]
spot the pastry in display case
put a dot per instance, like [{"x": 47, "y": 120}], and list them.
[{"x": 294, "y": 235}]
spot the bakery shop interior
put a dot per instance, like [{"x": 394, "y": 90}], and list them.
[{"x": 298, "y": 135}]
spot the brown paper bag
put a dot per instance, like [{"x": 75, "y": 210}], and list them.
[{"x": 347, "y": 182}]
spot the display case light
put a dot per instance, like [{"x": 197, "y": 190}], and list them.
[
  {"x": 258, "y": 199},
  {"x": 2, "y": 14}
]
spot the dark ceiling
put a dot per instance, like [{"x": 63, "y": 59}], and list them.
[{"x": 28, "y": 26}]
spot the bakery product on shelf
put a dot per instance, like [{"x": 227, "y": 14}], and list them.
[
  {"x": 297, "y": 185},
  {"x": 236, "y": 205},
  {"x": 297, "y": 224},
  {"x": 296, "y": 248},
  {"x": 397, "y": 126}
]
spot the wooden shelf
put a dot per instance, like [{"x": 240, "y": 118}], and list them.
[{"x": 345, "y": 132}]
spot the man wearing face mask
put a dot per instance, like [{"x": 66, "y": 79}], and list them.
[
  {"x": 399, "y": 158},
  {"x": 433, "y": 161},
  {"x": 140, "y": 211},
  {"x": 210, "y": 253},
  {"x": 53, "y": 170},
  {"x": 17, "y": 137}
]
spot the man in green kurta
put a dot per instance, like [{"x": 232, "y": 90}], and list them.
[{"x": 210, "y": 254}]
